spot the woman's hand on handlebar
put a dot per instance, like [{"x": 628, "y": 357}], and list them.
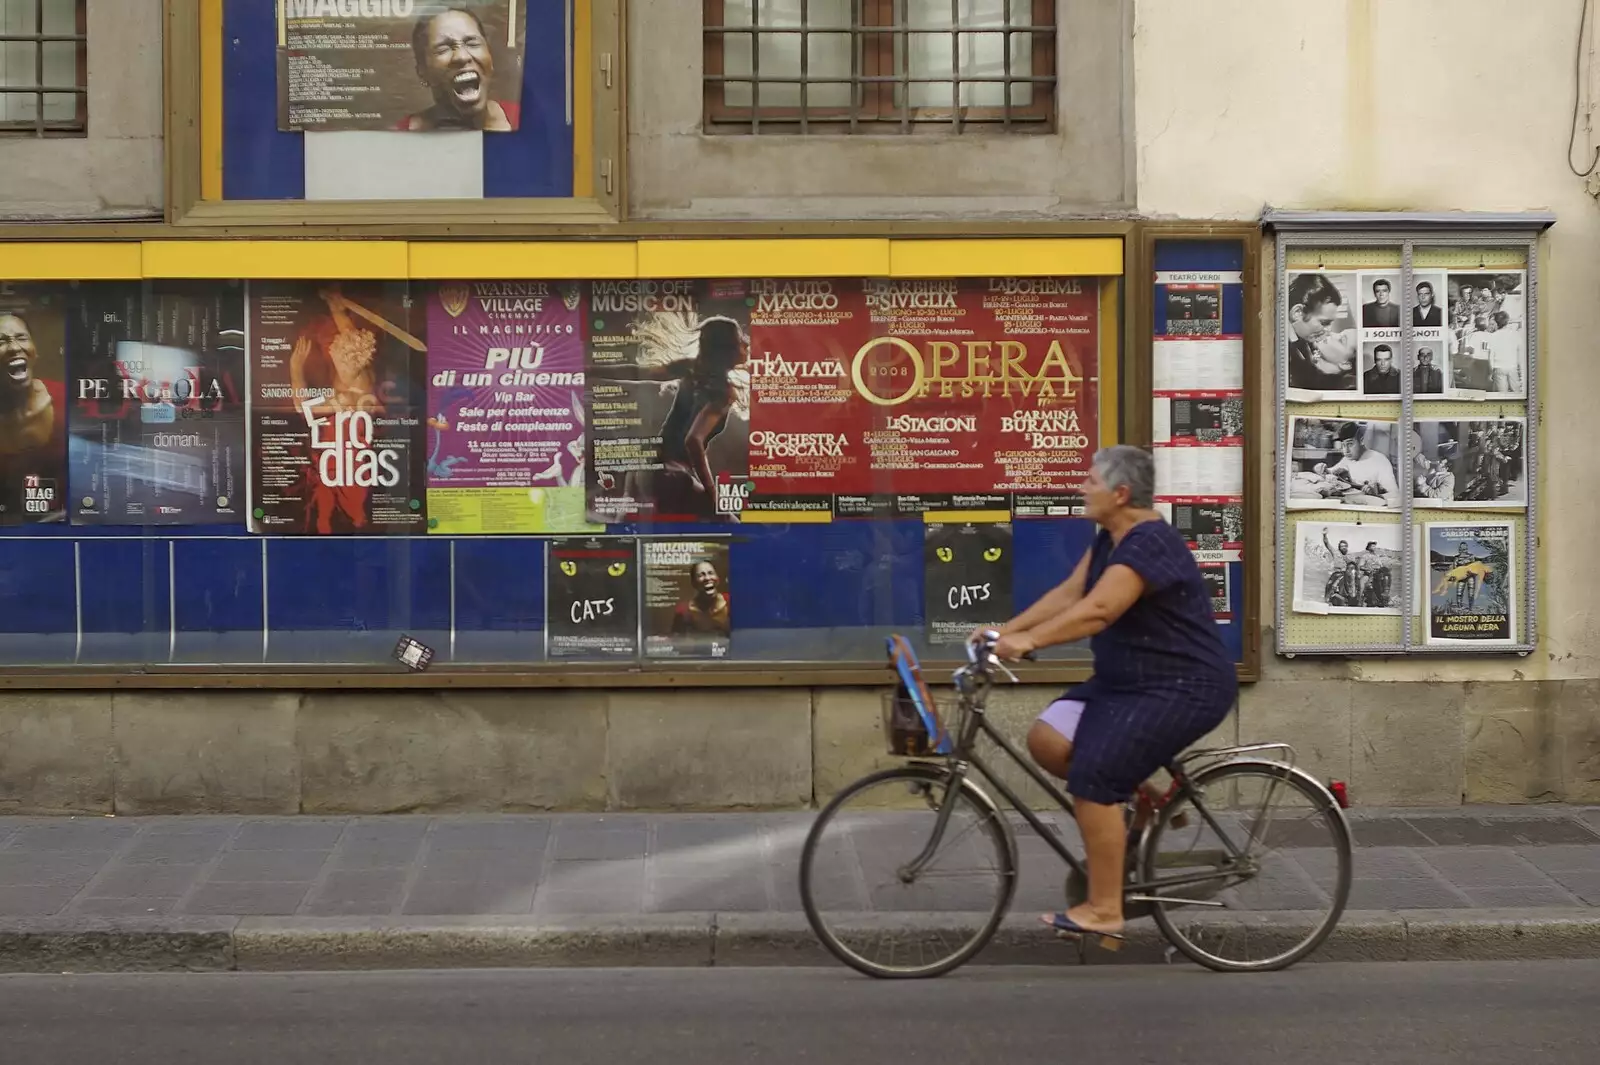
[{"x": 1015, "y": 646}]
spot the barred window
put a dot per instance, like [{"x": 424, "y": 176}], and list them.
[
  {"x": 44, "y": 65},
  {"x": 879, "y": 66}
]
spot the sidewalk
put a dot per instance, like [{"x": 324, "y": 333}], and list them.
[{"x": 599, "y": 889}]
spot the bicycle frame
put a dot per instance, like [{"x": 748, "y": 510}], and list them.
[{"x": 964, "y": 758}]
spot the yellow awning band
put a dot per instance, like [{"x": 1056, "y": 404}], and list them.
[{"x": 399, "y": 260}]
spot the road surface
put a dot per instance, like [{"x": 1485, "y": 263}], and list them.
[{"x": 1408, "y": 1014}]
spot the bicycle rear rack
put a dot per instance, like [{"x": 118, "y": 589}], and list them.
[{"x": 1194, "y": 761}]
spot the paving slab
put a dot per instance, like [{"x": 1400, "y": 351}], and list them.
[{"x": 539, "y": 878}]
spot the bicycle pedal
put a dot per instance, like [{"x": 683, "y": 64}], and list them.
[{"x": 1112, "y": 943}]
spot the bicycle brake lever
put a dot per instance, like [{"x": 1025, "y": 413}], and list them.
[{"x": 1001, "y": 666}]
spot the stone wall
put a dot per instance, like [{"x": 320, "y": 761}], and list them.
[
  {"x": 117, "y": 171},
  {"x": 1429, "y": 744},
  {"x": 678, "y": 171}
]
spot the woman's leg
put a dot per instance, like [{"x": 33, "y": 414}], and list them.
[
  {"x": 1116, "y": 756},
  {"x": 1050, "y": 750},
  {"x": 1050, "y": 738},
  {"x": 1105, "y": 841}
]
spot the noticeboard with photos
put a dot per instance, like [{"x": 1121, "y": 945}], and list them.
[{"x": 1407, "y": 439}]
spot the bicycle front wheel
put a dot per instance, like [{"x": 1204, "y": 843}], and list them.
[
  {"x": 887, "y": 898},
  {"x": 1273, "y": 863}
]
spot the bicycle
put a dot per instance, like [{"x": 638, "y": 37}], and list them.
[{"x": 1197, "y": 901}]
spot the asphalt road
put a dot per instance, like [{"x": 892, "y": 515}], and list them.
[{"x": 1358, "y": 1014}]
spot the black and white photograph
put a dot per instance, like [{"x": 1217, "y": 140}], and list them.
[
  {"x": 1428, "y": 373},
  {"x": 1429, "y": 292},
  {"x": 1380, "y": 300},
  {"x": 1342, "y": 568},
  {"x": 1343, "y": 463},
  {"x": 1489, "y": 333},
  {"x": 1321, "y": 334},
  {"x": 1380, "y": 369},
  {"x": 1471, "y": 464},
  {"x": 1471, "y": 575}
]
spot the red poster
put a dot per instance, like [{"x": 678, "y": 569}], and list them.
[
  {"x": 807, "y": 425},
  {"x": 939, "y": 387}
]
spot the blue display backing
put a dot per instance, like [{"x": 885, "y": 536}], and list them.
[
  {"x": 1220, "y": 256},
  {"x": 218, "y": 595},
  {"x": 261, "y": 162}
]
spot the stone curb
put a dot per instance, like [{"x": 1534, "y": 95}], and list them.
[{"x": 278, "y": 944}]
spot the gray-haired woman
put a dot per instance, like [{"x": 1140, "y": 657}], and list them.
[{"x": 1162, "y": 678}]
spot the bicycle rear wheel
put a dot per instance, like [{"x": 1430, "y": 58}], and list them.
[
  {"x": 1278, "y": 902},
  {"x": 878, "y": 917}
]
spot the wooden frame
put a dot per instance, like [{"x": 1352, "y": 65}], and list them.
[
  {"x": 1138, "y": 390},
  {"x": 193, "y": 149},
  {"x": 876, "y": 58},
  {"x": 79, "y": 126}
]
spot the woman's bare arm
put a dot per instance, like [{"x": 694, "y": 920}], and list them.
[
  {"x": 1114, "y": 593},
  {"x": 1054, "y": 602}
]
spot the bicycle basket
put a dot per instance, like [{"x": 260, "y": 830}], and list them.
[{"x": 912, "y": 725}]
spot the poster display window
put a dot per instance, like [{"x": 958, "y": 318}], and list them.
[{"x": 648, "y": 474}]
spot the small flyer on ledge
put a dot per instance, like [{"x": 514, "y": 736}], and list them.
[{"x": 687, "y": 602}]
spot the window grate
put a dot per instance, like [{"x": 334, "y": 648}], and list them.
[
  {"x": 878, "y": 66},
  {"x": 43, "y": 68}
]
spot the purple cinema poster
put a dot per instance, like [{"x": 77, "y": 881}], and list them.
[{"x": 505, "y": 446}]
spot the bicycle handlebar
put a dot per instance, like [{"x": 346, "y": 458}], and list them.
[{"x": 982, "y": 660}]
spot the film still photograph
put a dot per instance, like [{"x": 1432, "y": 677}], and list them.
[
  {"x": 1471, "y": 464},
  {"x": 1380, "y": 369},
  {"x": 1380, "y": 296},
  {"x": 1489, "y": 333},
  {"x": 1343, "y": 463},
  {"x": 1429, "y": 292},
  {"x": 1342, "y": 568},
  {"x": 1321, "y": 351},
  {"x": 1428, "y": 375}
]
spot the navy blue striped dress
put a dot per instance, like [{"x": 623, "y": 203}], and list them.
[{"x": 1162, "y": 678}]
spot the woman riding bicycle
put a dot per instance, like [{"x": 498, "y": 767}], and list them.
[{"x": 1162, "y": 678}]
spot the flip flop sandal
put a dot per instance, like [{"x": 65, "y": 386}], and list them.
[{"x": 1066, "y": 928}]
